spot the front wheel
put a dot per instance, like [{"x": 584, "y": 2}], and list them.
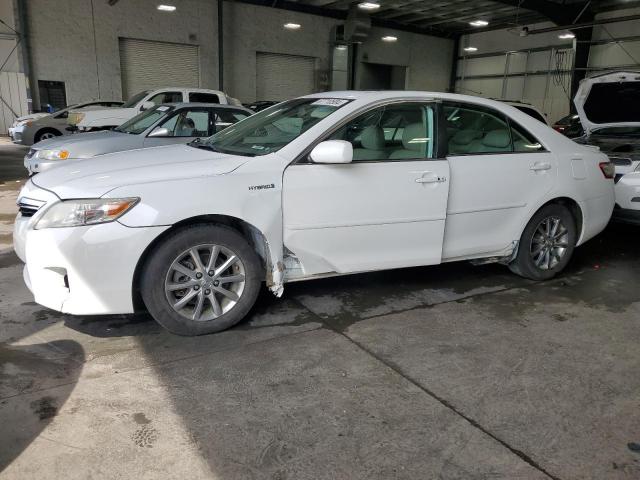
[
  {"x": 547, "y": 243},
  {"x": 46, "y": 135},
  {"x": 201, "y": 279}
]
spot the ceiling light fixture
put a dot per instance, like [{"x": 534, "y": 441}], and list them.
[
  {"x": 566, "y": 36},
  {"x": 167, "y": 8},
  {"x": 341, "y": 47},
  {"x": 368, "y": 6},
  {"x": 389, "y": 38},
  {"x": 470, "y": 49},
  {"x": 479, "y": 23},
  {"x": 292, "y": 26}
]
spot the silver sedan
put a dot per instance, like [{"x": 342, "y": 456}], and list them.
[{"x": 162, "y": 125}]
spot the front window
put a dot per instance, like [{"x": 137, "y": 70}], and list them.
[
  {"x": 188, "y": 123},
  {"x": 133, "y": 101},
  {"x": 401, "y": 131},
  {"x": 271, "y": 129},
  {"x": 144, "y": 120}
]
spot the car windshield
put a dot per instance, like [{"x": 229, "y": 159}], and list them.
[
  {"x": 273, "y": 128},
  {"x": 144, "y": 120},
  {"x": 618, "y": 131},
  {"x": 135, "y": 99}
]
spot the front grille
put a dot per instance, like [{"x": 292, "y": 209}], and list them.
[
  {"x": 28, "y": 206},
  {"x": 621, "y": 161}
]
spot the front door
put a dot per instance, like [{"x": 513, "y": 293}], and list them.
[
  {"x": 384, "y": 210},
  {"x": 184, "y": 126}
]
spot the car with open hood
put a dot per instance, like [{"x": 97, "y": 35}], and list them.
[
  {"x": 42, "y": 126},
  {"x": 609, "y": 108},
  {"x": 162, "y": 125},
  {"x": 327, "y": 184},
  {"x": 110, "y": 118}
]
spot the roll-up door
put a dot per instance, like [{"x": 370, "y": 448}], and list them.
[
  {"x": 280, "y": 77},
  {"x": 148, "y": 65}
]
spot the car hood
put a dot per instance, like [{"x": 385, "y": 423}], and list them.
[
  {"x": 97, "y": 176},
  {"x": 609, "y": 100},
  {"x": 86, "y": 145},
  {"x": 32, "y": 116}
]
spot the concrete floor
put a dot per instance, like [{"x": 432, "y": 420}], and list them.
[{"x": 450, "y": 372}]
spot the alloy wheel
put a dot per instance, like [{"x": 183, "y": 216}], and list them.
[
  {"x": 205, "y": 282},
  {"x": 549, "y": 243}
]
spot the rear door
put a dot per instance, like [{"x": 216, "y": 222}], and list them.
[
  {"x": 384, "y": 210},
  {"x": 499, "y": 171}
]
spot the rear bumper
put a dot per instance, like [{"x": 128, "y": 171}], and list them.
[
  {"x": 626, "y": 215},
  {"x": 596, "y": 214}
]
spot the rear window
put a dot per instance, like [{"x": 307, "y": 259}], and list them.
[
  {"x": 200, "y": 97},
  {"x": 604, "y": 102},
  {"x": 532, "y": 113}
]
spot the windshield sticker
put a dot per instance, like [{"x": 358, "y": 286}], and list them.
[
  {"x": 258, "y": 147},
  {"x": 330, "y": 102},
  {"x": 163, "y": 108}
]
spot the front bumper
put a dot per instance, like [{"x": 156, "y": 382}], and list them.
[
  {"x": 35, "y": 165},
  {"x": 16, "y": 134},
  {"x": 82, "y": 270}
]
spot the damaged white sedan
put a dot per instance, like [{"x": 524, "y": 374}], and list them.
[{"x": 328, "y": 184}]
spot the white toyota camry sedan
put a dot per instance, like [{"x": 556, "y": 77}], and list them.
[{"x": 328, "y": 184}]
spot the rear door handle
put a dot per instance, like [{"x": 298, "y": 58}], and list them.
[{"x": 539, "y": 166}]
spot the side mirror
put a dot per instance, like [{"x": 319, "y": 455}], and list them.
[
  {"x": 146, "y": 106},
  {"x": 332, "y": 151},
  {"x": 160, "y": 132}
]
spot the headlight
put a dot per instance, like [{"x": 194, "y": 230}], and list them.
[
  {"x": 23, "y": 123},
  {"x": 91, "y": 211},
  {"x": 45, "y": 154}
]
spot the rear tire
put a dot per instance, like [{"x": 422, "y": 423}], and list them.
[
  {"x": 547, "y": 243},
  {"x": 220, "y": 275}
]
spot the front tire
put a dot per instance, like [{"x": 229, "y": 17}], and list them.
[
  {"x": 46, "y": 135},
  {"x": 201, "y": 279},
  {"x": 547, "y": 243}
]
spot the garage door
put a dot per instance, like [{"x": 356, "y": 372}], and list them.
[
  {"x": 280, "y": 77},
  {"x": 148, "y": 65}
]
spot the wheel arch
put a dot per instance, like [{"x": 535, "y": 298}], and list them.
[
  {"x": 571, "y": 204},
  {"x": 42, "y": 130},
  {"x": 249, "y": 232}
]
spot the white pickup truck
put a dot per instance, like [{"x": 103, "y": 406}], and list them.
[{"x": 112, "y": 117}]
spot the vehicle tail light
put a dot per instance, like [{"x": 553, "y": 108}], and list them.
[{"x": 608, "y": 169}]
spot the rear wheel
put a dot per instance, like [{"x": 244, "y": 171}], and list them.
[
  {"x": 201, "y": 279},
  {"x": 547, "y": 243}
]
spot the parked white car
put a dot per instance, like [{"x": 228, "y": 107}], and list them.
[
  {"x": 112, "y": 117},
  {"x": 328, "y": 184},
  {"x": 606, "y": 104}
]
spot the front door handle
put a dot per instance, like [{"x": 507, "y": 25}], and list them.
[
  {"x": 430, "y": 177},
  {"x": 540, "y": 166}
]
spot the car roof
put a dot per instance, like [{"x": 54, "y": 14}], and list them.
[
  {"x": 221, "y": 106},
  {"x": 375, "y": 95},
  {"x": 199, "y": 90}
]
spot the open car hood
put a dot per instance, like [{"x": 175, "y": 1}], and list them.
[{"x": 609, "y": 100}]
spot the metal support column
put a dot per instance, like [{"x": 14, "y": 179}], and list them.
[{"x": 220, "y": 47}]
